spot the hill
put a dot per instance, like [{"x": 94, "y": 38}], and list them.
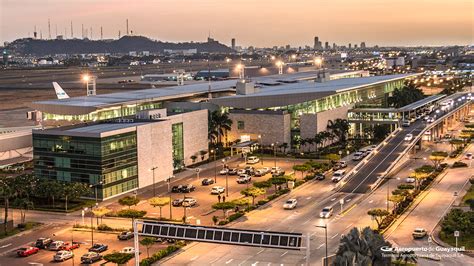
[{"x": 29, "y": 46}]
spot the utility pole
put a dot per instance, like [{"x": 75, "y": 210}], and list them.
[
  {"x": 101, "y": 33},
  {"x": 127, "y": 25},
  {"x": 72, "y": 31},
  {"x": 49, "y": 29}
]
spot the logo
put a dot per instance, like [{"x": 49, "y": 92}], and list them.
[{"x": 386, "y": 249}]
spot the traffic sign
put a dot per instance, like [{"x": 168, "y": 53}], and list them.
[{"x": 456, "y": 233}]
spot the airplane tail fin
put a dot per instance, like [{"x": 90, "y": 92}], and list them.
[{"x": 59, "y": 91}]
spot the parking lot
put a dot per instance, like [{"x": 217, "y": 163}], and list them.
[{"x": 84, "y": 238}]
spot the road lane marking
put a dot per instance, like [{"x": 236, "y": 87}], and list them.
[
  {"x": 7, "y": 245},
  {"x": 334, "y": 235},
  {"x": 229, "y": 261},
  {"x": 194, "y": 258},
  {"x": 284, "y": 253},
  {"x": 371, "y": 201},
  {"x": 320, "y": 246},
  {"x": 348, "y": 226},
  {"x": 254, "y": 264},
  {"x": 333, "y": 199},
  {"x": 308, "y": 198},
  {"x": 260, "y": 251}
]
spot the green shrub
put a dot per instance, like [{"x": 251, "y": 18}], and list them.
[
  {"x": 104, "y": 227},
  {"x": 406, "y": 186},
  {"x": 235, "y": 216},
  {"x": 262, "y": 202},
  {"x": 387, "y": 220},
  {"x": 299, "y": 183},
  {"x": 459, "y": 164},
  {"x": 223, "y": 222},
  {"x": 309, "y": 177},
  {"x": 160, "y": 254},
  {"x": 272, "y": 197}
]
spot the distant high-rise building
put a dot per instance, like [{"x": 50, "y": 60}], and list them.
[
  {"x": 233, "y": 43},
  {"x": 362, "y": 45},
  {"x": 350, "y": 45},
  {"x": 355, "y": 46},
  {"x": 316, "y": 43},
  {"x": 334, "y": 46},
  {"x": 288, "y": 47},
  {"x": 326, "y": 46}
]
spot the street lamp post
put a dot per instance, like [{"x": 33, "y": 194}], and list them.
[
  {"x": 154, "y": 187},
  {"x": 226, "y": 180},
  {"x": 326, "y": 242},
  {"x": 274, "y": 153}
]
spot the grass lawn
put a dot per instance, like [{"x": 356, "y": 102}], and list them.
[
  {"x": 469, "y": 195},
  {"x": 467, "y": 241},
  {"x": 16, "y": 230}
]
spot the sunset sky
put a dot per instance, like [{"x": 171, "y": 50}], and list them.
[{"x": 251, "y": 22}]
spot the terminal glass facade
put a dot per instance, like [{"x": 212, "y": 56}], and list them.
[
  {"x": 110, "y": 163},
  {"x": 178, "y": 145},
  {"x": 106, "y": 113}
]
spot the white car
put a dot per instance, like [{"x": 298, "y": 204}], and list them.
[
  {"x": 243, "y": 179},
  {"x": 326, "y": 212},
  {"x": 358, "y": 156},
  {"x": 56, "y": 245},
  {"x": 217, "y": 190},
  {"x": 63, "y": 255},
  {"x": 469, "y": 156},
  {"x": 290, "y": 204},
  {"x": 189, "y": 202},
  {"x": 405, "y": 123},
  {"x": 266, "y": 169},
  {"x": 241, "y": 172},
  {"x": 409, "y": 137},
  {"x": 275, "y": 169},
  {"x": 410, "y": 180},
  {"x": 223, "y": 171},
  {"x": 128, "y": 250},
  {"x": 253, "y": 160},
  {"x": 338, "y": 175}
]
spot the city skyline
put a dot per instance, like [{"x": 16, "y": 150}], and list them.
[{"x": 397, "y": 23}]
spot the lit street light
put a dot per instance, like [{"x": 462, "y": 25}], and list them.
[
  {"x": 154, "y": 188},
  {"x": 326, "y": 243}
]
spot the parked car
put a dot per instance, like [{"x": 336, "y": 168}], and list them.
[
  {"x": 71, "y": 246},
  {"x": 242, "y": 179},
  {"x": 177, "y": 189},
  {"x": 253, "y": 160},
  {"x": 275, "y": 169},
  {"x": 224, "y": 171},
  {"x": 249, "y": 170},
  {"x": 188, "y": 188},
  {"x": 177, "y": 202},
  {"x": 90, "y": 257},
  {"x": 189, "y": 202},
  {"x": 358, "y": 156},
  {"x": 98, "y": 247},
  {"x": 408, "y": 137},
  {"x": 326, "y": 212},
  {"x": 468, "y": 156},
  {"x": 290, "y": 204},
  {"x": 27, "y": 251},
  {"x": 232, "y": 171},
  {"x": 43, "y": 242},
  {"x": 241, "y": 172},
  {"x": 405, "y": 123},
  {"x": 217, "y": 190},
  {"x": 259, "y": 172},
  {"x": 410, "y": 180},
  {"x": 128, "y": 250},
  {"x": 266, "y": 169},
  {"x": 207, "y": 181},
  {"x": 338, "y": 175},
  {"x": 339, "y": 165},
  {"x": 56, "y": 245},
  {"x": 63, "y": 255},
  {"x": 125, "y": 235},
  {"x": 320, "y": 176},
  {"x": 419, "y": 233},
  {"x": 278, "y": 173}
]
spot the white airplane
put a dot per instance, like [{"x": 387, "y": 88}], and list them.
[{"x": 59, "y": 91}]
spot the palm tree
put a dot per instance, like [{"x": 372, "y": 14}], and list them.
[
  {"x": 318, "y": 140},
  {"x": 219, "y": 124},
  {"x": 340, "y": 128}
]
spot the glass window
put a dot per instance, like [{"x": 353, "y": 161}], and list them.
[{"x": 240, "y": 125}]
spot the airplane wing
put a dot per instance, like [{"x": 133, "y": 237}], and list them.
[{"x": 59, "y": 91}]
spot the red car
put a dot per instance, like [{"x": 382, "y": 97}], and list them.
[
  {"x": 70, "y": 247},
  {"x": 27, "y": 251}
]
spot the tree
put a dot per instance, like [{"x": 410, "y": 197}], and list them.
[
  {"x": 421, "y": 173},
  {"x": 364, "y": 248},
  {"x": 437, "y": 156},
  {"x": 241, "y": 202},
  {"x": 378, "y": 215},
  {"x": 224, "y": 206},
  {"x": 380, "y": 132},
  {"x": 72, "y": 191},
  {"x": 409, "y": 93},
  {"x": 148, "y": 242},
  {"x": 50, "y": 189},
  {"x": 7, "y": 191},
  {"x": 24, "y": 205},
  {"x": 219, "y": 124},
  {"x": 301, "y": 168},
  {"x": 262, "y": 184},
  {"x": 100, "y": 212},
  {"x": 396, "y": 199},
  {"x": 277, "y": 180},
  {"x": 118, "y": 258},
  {"x": 129, "y": 201},
  {"x": 284, "y": 146},
  {"x": 131, "y": 214},
  {"x": 456, "y": 143},
  {"x": 340, "y": 128},
  {"x": 253, "y": 192},
  {"x": 159, "y": 202}
]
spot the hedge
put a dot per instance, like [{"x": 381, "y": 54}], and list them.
[
  {"x": 160, "y": 254},
  {"x": 459, "y": 164}
]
